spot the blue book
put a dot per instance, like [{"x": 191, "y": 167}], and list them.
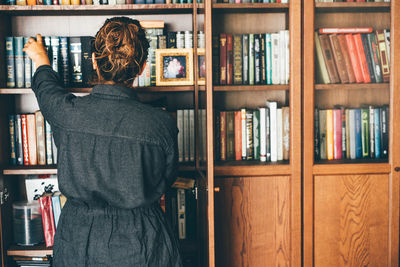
[
  {"x": 268, "y": 61},
  {"x": 18, "y": 140},
  {"x": 358, "y": 143},
  {"x": 10, "y": 2},
  {"x": 55, "y": 202},
  {"x": 11, "y": 122},
  {"x": 159, "y": 1},
  {"x": 149, "y": 1},
  {"x": 377, "y": 127},
  {"x": 140, "y": 2},
  {"x": 19, "y": 62},
  {"x": 28, "y": 67},
  {"x": 10, "y": 62}
]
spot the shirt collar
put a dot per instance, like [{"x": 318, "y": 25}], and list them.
[{"x": 114, "y": 90}]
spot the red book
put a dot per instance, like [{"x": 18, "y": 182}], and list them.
[
  {"x": 346, "y": 29},
  {"x": 47, "y": 219},
  {"x": 238, "y": 135},
  {"x": 346, "y": 56},
  {"x": 360, "y": 0},
  {"x": 355, "y": 61},
  {"x": 222, "y": 58},
  {"x": 25, "y": 139},
  {"x": 362, "y": 57},
  {"x": 337, "y": 134},
  {"x": 222, "y": 115},
  {"x": 229, "y": 59}
]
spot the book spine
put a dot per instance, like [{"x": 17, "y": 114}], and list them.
[
  {"x": 263, "y": 138},
  {"x": 64, "y": 60},
  {"x": 362, "y": 58},
  {"x": 377, "y": 129},
  {"x": 328, "y": 57},
  {"x": 245, "y": 51},
  {"x": 47, "y": 220},
  {"x": 322, "y": 72},
  {"x": 256, "y": 134},
  {"x": 365, "y": 132},
  {"x": 230, "y": 135},
  {"x": 229, "y": 59},
  {"x": 367, "y": 51},
  {"x": 86, "y": 60},
  {"x": 352, "y": 131},
  {"x": 49, "y": 149},
  {"x": 54, "y": 147},
  {"x": 13, "y": 154},
  {"x": 346, "y": 57},
  {"x": 32, "y": 144},
  {"x": 285, "y": 132},
  {"x": 387, "y": 41},
  {"x": 273, "y": 130},
  {"x": 186, "y": 134},
  {"x": 329, "y": 134},
  {"x": 279, "y": 131},
  {"x": 282, "y": 55},
  {"x": 162, "y": 41},
  {"x": 181, "y": 213},
  {"x": 223, "y": 134},
  {"x": 18, "y": 140},
  {"x": 55, "y": 49},
  {"x": 40, "y": 138},
  {"x": 180, "y": 121},
  {"x": 268, "y": 134},
  {"x": 19, "y": 62},
  {"x": 316, "y": 134},
  {"x": 384, "y": 57},
  {"x": 237, "y": 63},
  {"x": 257, "y": 59},
  {"x": 222, "y": 58},
  {"x": 268, "y": 58},
  {"x": 358, "y": 137},
  {"x": 322, "y": 134},
  {"x": 262, "y": 58},
  {"x": 339, "y": 58},
  {"x": 337, "y": 134},
  {"x": 25, "y": 139},
  {"x": 27, "y": 67},
  {"x": 344, "y": 143},
  {"x": 374, "y": 52},
  {"x": 385, "y": 132},
  {"x": 55, "y": 201},
  {"x": 371, "y": 128},
  {"x": 76, "y": 61},
  {"x": 244, "y": 133},
  {"x": 215, "y": 58},
  {"x": 171, "y": 39},
  {"x": 251, "y": 59},
  {"x": 238, "y": 135},
  {"x": 249, "y": 135},
  {"x": 217, "y": 134},
  {"x": 287, "y": 56},
  {"x": 67, "y": 2},
  {"x": 347, "y": 111},
  {"x": 355, "y": 61},
  {"x": 191, "y": 134},
  {"x": 275, "y": 61}
]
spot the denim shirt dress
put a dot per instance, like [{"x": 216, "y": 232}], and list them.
[{"x": 116, "y": 157}]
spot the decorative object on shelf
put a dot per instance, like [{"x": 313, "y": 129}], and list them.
[
  {"x": 27, "y": 221},
  {"x": 174, "y": 66}
]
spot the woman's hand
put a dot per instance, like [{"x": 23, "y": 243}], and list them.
[{"x": 36, "y": 51}]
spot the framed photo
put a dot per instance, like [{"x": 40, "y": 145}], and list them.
[
  {"x": 201, "y": 55},
  {"x": 174, "y": 66}
]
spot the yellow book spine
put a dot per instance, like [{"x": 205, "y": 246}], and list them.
[{"x": 329, "y": 134}]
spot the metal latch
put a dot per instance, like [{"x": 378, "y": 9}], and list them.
[{"x": 4, "y": 195}]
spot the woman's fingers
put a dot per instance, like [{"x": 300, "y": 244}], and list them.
[{"x": 39, "y": 38}]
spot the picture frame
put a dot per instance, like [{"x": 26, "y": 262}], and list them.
[
  {"x": 201, "y": 62},
  {"x": 174, "y": 67}
]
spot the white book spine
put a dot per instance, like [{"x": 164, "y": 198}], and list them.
[
  {"x": 112, "y": 2},
  {"x": 279, "y": 133},
  {"x": 179, "y": 118},
  {"x": 387, "y": 41},
  {"x": 191, "y": 135},
  {"x": 273, "y": 131},
  {"x": 268, "y": 58},
  {"x": 282, "y": 52},
  {"x": 352, "y": 134},
  {"x": 275, "y": 64},
  {"x": 204, "y": 133},
  {"x": 181, "y": 213},
  {"x": 287, "y": 57},
  {"x": 371, "y": 131},
  {"x": 244, "y": 137},
  {"x": 186, "y": 135},
  {"x": 263, "y": 137}
]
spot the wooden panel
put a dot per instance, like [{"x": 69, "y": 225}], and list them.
[
  {"x": 355, "y": 168},
  {"x": 353, "y": 86},
  {"x": 377, "y": 20},
  {"x": 252, "y": 221},
  {"x": 351, "y": 220}
]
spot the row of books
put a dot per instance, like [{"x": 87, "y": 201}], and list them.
[
  {"x": 31, "y": 140},
  {"x": 95, "y": 2},
  {"x": 252, "y": 59},
  {"x": 351, "y": 133},
  {"x": 186, "y": 135},
  {"x": 260, "y": 134},
  {"x": 353, "y": 55}
]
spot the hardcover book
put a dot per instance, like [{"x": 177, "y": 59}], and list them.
[{"x": 19, "y": 62}]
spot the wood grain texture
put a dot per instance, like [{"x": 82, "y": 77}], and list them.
[
  {"x": 252, "y": 221},
  {"x": 376, "y": 20},
  {"x": 355, "y": 168},
  {"x": 353, "y": 86},
  {"x": 351, "y": 220}
]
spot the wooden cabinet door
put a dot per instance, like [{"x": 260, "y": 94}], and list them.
[{"x": 252, "y": 221}]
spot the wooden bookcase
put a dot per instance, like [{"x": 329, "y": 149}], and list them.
[{"x": 351, "y": 208}]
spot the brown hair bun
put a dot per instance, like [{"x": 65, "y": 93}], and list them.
[{"x": 120, "y": 49}]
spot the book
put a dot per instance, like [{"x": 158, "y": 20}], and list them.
[
  {"x": 56, "y": 204},
  {"x": 263, "y": 59},
  {"x": 25, "y": 139},
  {"x": 37, "y": 185},
  {"x": 237, "y": 59},
  {"x": 49, "y": 147},
  {"x": 244, "y": 133},
  {"x": 337, "y": 134},
  {"x": 204, "y": 133},
  {"x": 55, "y": 51},
  {"x": 322, "y": 72},
  {"x": 287, "y": 56},
  {"x": 215, "y": 59},
  {"x": 249, "y": 135},
  {"x": 245, "y": 56},
  {"x": 279, "y": 132},
  {"x": 275, "y": 61},
  {"x": 76, "y": 61},
  {"x": 181, "y": 213},
  {"x": 257, "y": 59},
  {"x": 358, "y": 135},
  {"x": 222, "y": 58},
  {"x": 86, "y": 60},
  {"x": 171, "y": 40},
  {"x": 347, "y": 62},
  {"x": 40, "y": 138},
  {"x": 217, "y": 134},
  {"x": 11, "y": 127},
  {"x": 27, "y": 67},
  {"x": 368, "y": 52},
  {"x": 322, "y": 135},
  {"x": 18, "y": 140},
  {"x": 19, "y": 62},
  {"x": 32, "y": 144},
  {"x": 354, "y": 58},
  {"x": 384, "y": 132},
  {"x": 377, "y": 130},
  {"x": 374, "y": 52},
  {"x": 47, "y": 219},
  {"x": 362, "y": 58},
  {"x": 273, "y": 130},
  {"x": 344, "y": 140},
  {"x": 268, "y": 58},
  {"x": 352, "y": 133},
  {"x": 327, "y": 53},
  {"x": 229, "y": 59},
  {"x": 230, "y": 135},
  {"x": 263, "y": 135},
  {"x": 329, "y": 134},
  {"x": 286, "y": 132},
  {"x": 282, "y": 57},
  {"x": 316, "y": 135},
  {"x": 339, "y": 58},
  {"x": 371, "y": 129},
  {"x": 251, "y": 59},
  {"x": 347, "y": 115},
  {"x": 384, "y": 56},
  {"x": 256, "y": 134},
  {"x": 222, "y": 115},
  {"x": 64, "y": 61}
]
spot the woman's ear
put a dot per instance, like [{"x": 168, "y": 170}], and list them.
[
  {"x": 142, "y": 69},
  {"x": 94, "y": 62}
]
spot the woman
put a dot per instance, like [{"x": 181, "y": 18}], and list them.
[{"x": 116, "y": 157}]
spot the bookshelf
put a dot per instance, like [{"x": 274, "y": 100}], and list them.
[{"x": 347, "y": 202}]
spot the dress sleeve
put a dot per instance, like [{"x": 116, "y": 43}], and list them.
[
  {"x": 172, "y": 155},
  {"x": 54, "y": 101}
]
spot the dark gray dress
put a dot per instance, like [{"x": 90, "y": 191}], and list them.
[{"x": 116, "y": 157}]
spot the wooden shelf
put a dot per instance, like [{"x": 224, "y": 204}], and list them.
[
  {"x": 249, "y": 7},
  {"x": 30, "y": 251},
  {"x": 22, "y": 91},
  {"x": 353, "y": 86},
  {"x": 252, "y": 168},
  {"x": 351, "y": 167},
  {"x": 56, "y": 10},
  {"x": 352, "y": 7},
  {"x": 52, "y": 169},
  {"x": 224, "y": 88}
]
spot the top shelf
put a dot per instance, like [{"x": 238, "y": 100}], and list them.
[
  {"x": 249, "y": 7},
  {"x": 39, "y": 10},
  {"x": 353, "y": 7}
]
